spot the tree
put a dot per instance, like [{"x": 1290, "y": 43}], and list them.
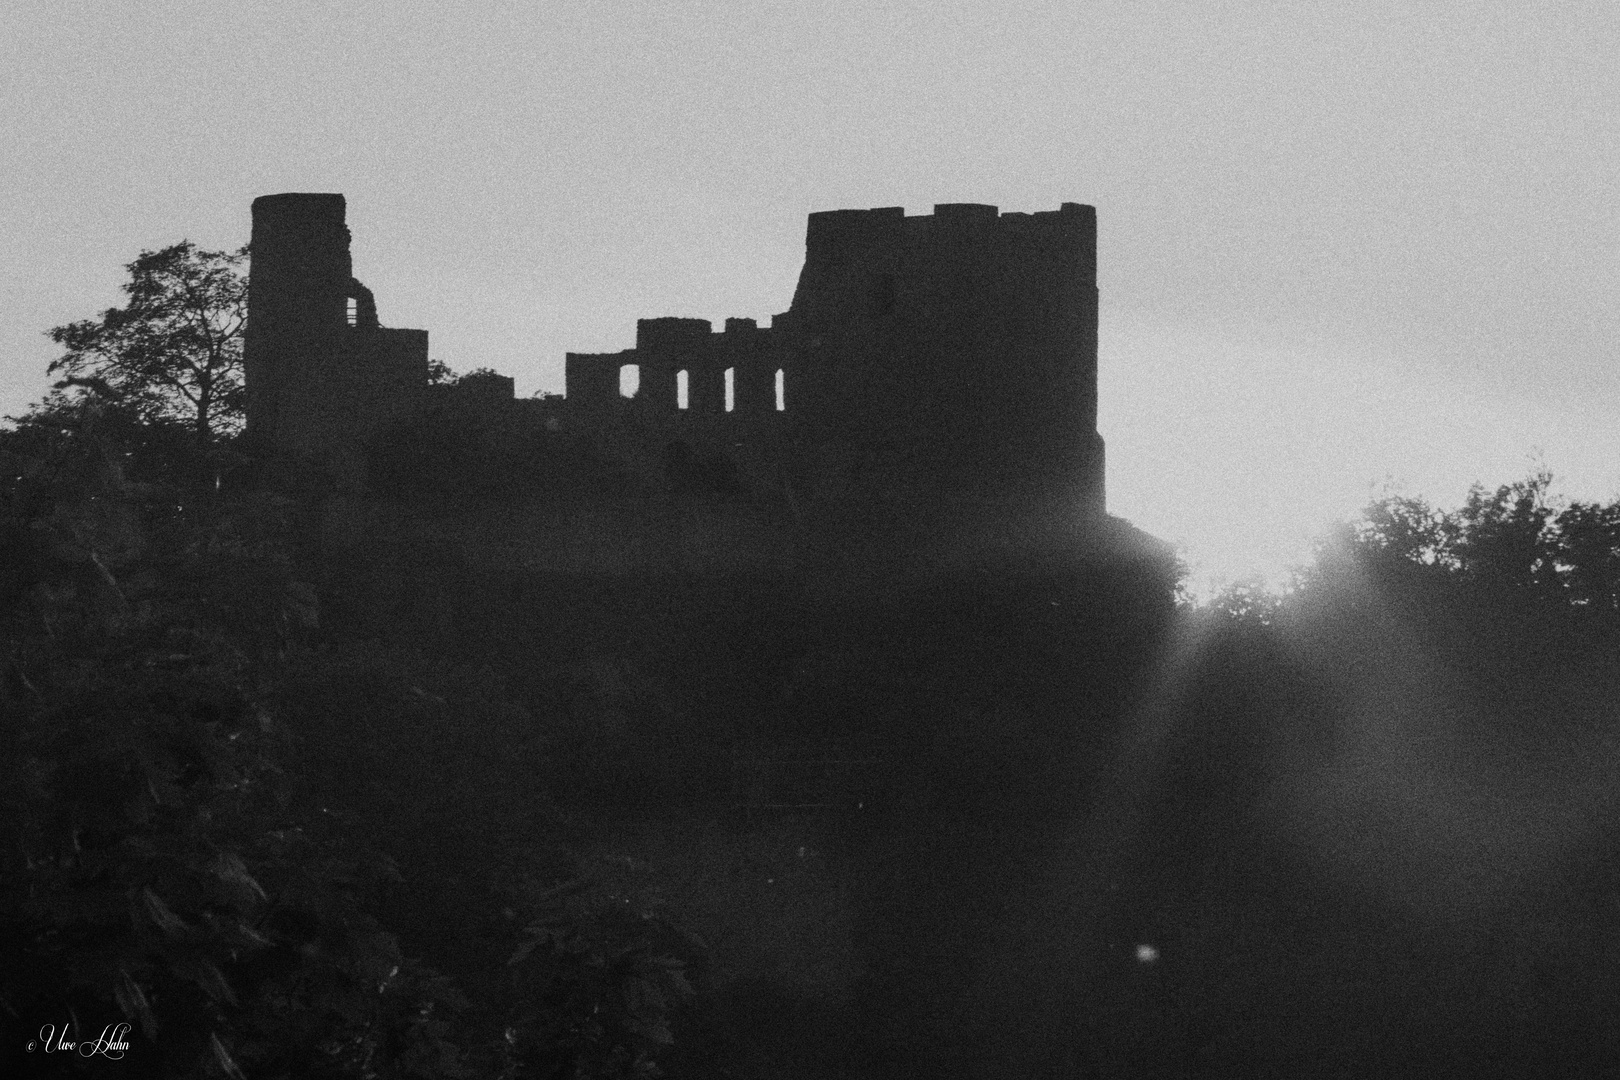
[
  {"x": 174, "y": 352},
  {"x": 1505, "y": 537},
  {"x": 1512, "y": 538},
  {"x": 439, "y": 374},
  {"x": 1402, "y": 527},
  {"x": 1588, "y": 538}
]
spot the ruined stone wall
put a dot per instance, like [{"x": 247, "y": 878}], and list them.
[
  {"x": 929, "y": 359},
  {"x": 670, "y": 351}
]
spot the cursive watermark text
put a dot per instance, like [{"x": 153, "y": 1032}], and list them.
[{"x": 111, "y": 1043}]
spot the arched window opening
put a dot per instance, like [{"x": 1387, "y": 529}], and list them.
[
  {"x": 781, "y": 391},
  {"x": 681, "y": 398},
  {"x": 629, "y": 380},
  {"x": 731, "y": 389}
]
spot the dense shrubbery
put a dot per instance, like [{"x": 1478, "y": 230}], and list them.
[
  {"x": 191, "y": 841},
  {"x": 154, "y": 870}
]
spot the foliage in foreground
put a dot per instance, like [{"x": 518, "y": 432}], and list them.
[{"x": 163, "y": 863}]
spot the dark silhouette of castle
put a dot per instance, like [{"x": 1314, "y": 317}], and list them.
[
  {"x": 942, "y": 367},
  {"x": 322, "y": 375}
]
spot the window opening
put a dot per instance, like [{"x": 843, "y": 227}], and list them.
[
  {"x": 352, "y": 314},
  {"x": 781, "y": 391},
  {"x": 629, "y": 380},
  {"x": 681, "y": 398},
  {"x": 731, "y": 389}
]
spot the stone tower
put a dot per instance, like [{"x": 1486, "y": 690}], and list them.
[
  {"x": 965, "y": 339},
  {"x": 322, "y": 375}
]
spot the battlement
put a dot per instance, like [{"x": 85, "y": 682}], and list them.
[
  {"x": 891, "y": 223},
  {"x": 667, "y": 336},
  {"x": 965, "y": 215}
]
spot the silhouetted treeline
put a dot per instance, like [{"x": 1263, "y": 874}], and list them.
[
  {"x": 303, "y": 806},
  {"x": 1512, "y": 539}
]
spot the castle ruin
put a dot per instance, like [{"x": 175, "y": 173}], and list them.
[{"x": 937, "y": 367}]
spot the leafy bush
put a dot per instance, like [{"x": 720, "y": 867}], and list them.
[
  {"x": 171, "y": 857},
  {"x": 151, "y": 871},
  {"x": 597, "y": 985}
]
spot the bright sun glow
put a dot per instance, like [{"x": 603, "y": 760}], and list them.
[{"x": 1242, "y": 445}]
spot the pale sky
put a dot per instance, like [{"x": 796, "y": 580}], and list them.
[{"x": 1338, "y": 243}]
